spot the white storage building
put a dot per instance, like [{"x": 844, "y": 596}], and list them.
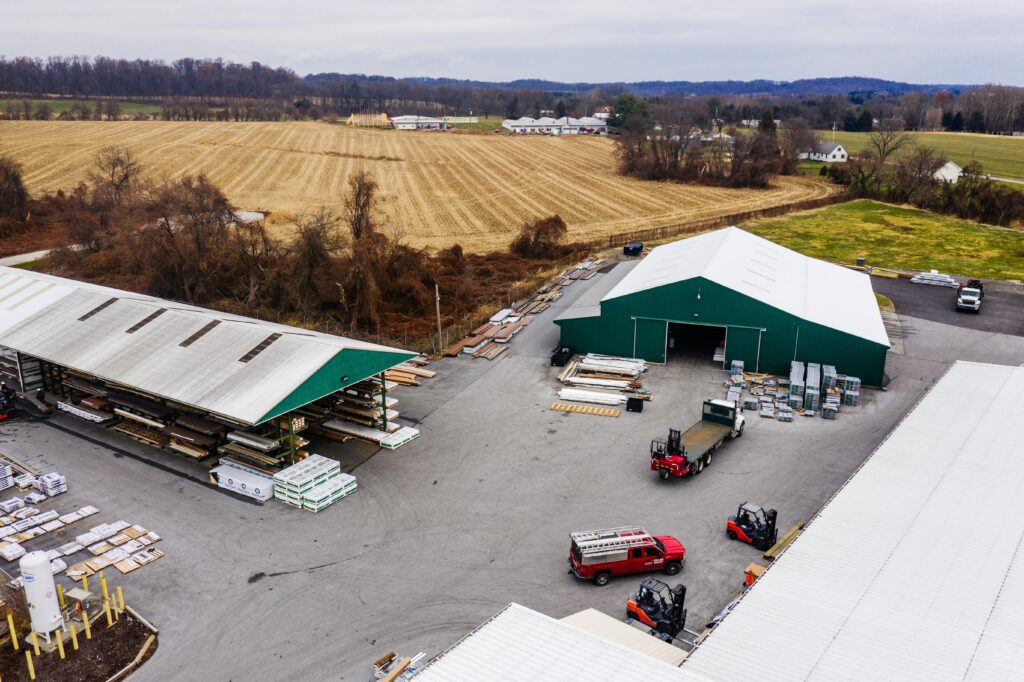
[{"x": 546, "y": 125}]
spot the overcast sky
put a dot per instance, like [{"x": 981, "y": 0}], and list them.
[{"x": 923, "y": 41}]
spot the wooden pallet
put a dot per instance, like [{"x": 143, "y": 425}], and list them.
[{"x": 586, "y": 409}]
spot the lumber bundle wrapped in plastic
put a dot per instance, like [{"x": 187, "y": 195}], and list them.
[
  {"x": 596, "y": 397},
  {"x": 610, "y": 364}
]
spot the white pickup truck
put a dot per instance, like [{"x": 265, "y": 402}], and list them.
[{"x": 969, "y": 299}]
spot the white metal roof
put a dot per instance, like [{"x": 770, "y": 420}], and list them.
[
  {"x": 819, "y": 292},
  {"x": 40, "y": 316},
  {"x": 914, "y": 570},
  {"x": 519, "y": 645},
  {"x": 615, "y": 630}
]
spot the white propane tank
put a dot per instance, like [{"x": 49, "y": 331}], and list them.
[{"x": 41, "y": 593}]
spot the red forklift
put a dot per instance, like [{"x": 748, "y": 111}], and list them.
[
  {"x": 659, "y": 607},
  {"x": 753, "y": 525}
]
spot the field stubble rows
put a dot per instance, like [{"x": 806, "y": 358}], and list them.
[{"x": 437, "y": 188}]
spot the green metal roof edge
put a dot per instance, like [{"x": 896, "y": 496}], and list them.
[{"x": 347, "y": 367}]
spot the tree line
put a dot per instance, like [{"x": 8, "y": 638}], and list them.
[{"x": 184, "y": 86}]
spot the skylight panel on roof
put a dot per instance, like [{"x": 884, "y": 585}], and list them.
[
  {"x": 106, "y": 304},
  {"x": 259, "y": 347},
  {"x": 142, "y": 323},
  {"x": 199, "y": 334}
]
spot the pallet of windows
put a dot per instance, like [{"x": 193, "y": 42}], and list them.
[
  {"x": 783, "y": 412},
  {"x": 812, "y": 389}
]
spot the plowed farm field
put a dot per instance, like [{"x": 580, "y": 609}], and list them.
[{"x": 437, "y": 188}]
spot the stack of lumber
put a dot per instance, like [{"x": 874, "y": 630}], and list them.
[
  {"x": 84, "y": 411},
  {"x": 395, "y": 437},
  {"x": 572, "y": 375},
  {"x": 401, "y": 377},
  {"x": 608, "y": 364},
  {"x": 596, "y": 397}
]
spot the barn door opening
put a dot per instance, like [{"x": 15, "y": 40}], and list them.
[{"x": 696, "y": 344}]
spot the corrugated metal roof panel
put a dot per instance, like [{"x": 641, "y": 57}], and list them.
[
  {"x": 816, "y": 291},
  {"x": 521, "y": 644},
  {"x": 914, "y": 570},
  {"x": 63, "y": 322}
]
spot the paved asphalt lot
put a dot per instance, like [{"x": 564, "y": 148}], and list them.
[
  {"x": 1002, "y": 309},
  {"x": 472, "y": 515}
]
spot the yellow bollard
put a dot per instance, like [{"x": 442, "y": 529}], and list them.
[
  {"x": 110, "y": 618},
  {"x": 31, "y": 668},
  {"x": 85, "y": 583},
  {"x": 10, "y": 629},
  {"x": 60, "y": 645},
  {"x": 85, "y": 623},
  {"x": 35, "y": 642},
  {"x": 74, "y": 637},
  {"x": 60, "y": 596},
  {"x": 103, "y": 583},
  {"x": 120, "y": 596}
]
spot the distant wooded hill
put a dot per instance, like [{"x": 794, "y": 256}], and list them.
[{"x": 809, "y": 86}]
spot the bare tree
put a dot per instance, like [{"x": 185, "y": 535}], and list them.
[
  {"x": 359, "y": 206},
  {"x": 796, "y": 138},
  {"x": 13, "y": 196},
  {"x": 887, "y": 139},
  {"x": 117, "y": 174}
]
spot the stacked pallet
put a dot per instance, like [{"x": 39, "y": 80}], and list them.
[
  {"x": 52, "y": 484},
  {"x": 812, "y": 392},
  {"x": 313, "y": 484},
  {"x": 6, "y": 476},
  {"x": 796, "y": 379}
]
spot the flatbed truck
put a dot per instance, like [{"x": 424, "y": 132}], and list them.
[{"x": 687, "y": 453}]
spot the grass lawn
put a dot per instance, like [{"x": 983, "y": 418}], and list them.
[
  {"x": 898, "y": 237},
  {"x": 999, "y": 155},
  {"x": 483, "y": 123},
  {"x": 59, "y": 106}
]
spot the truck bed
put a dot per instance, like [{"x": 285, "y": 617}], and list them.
[{"x": 701, "y": 437}]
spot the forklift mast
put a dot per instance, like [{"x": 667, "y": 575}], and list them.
[
  {"x": 677, "y": 615},
  {"x": 675, "y": 446},
  {"x": 770, "y": 531}
]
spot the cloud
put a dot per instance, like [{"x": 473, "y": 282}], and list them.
[{"x": 913, "y": 40}]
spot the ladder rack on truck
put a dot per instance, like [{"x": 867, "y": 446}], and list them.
[{"x": 611, "y": 538}]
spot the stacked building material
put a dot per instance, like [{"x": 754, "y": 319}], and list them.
[
  {"x": 596, "y": 397},
  {"x": 851, "y": 397},
  {"x": 329, "y": 492},
  {"x": 796, "y": 379},
  {"x": 12, "y": 505},
  {"x": 736, "y": 367},
  {"x": 733, "y": 394},
  {"x": 83, "y": 411},
  {"x": 385, "y": 439},
  {"x": 783, "y": 412},
  {"x": 53, "y": 483},
  {"x": 608, "y": 364},
  {"x": 25, "y": 481},
  {"x": 934, "y": 278},
  {"x": 812, "y": 389},
  {"x": 6, "y": 476},
  {"x": 828, "y": 377},
  {"x": 243, "y": 480}
]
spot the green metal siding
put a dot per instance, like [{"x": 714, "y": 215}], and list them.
[
  {"x": 785, "y": 337},
  {"x": 353, "y": 364},
  {"x": 742, "y": 344},
  {"x": 651, "y": 336}
]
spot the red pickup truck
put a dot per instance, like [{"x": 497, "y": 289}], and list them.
[{"x": 599, "y": 554}]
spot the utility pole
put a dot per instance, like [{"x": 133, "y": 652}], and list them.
[
  {"x": 437, "y": 306},
  {"x": 833, "y": 131}
]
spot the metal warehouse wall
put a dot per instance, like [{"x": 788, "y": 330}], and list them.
[{"x": 616, "y": 333}]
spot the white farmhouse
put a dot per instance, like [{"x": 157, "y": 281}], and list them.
[
  {"x": 418, "y": 123},
  {"x": 545, "y": 125},
  {"x": 949, "y": 172},
  {"x": 829, "y": 152}
]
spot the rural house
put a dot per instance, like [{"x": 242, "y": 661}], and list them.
[
  {"x": 949, "y": 172},
  {"x": 418, "y": 123},
  {"x": 829, "y": 152}
]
